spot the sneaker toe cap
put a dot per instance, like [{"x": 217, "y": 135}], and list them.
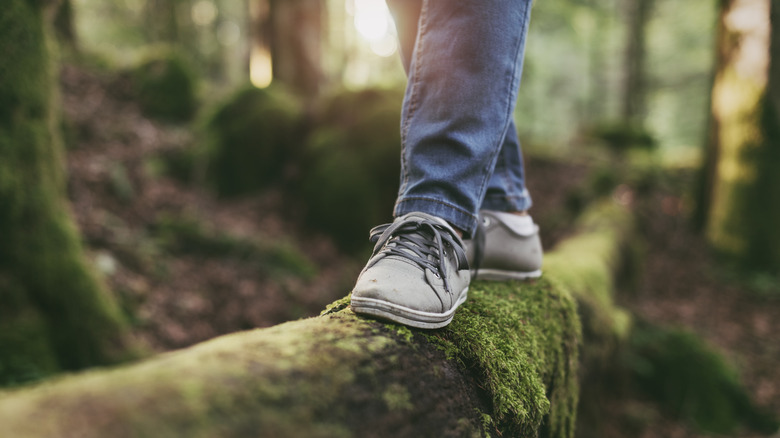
[{"x": 398, "y": 285}]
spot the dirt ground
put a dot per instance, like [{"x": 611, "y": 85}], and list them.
[{"x": 177, "y": 299}]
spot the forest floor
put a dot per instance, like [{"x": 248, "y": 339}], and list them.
[{"x": 188, "y": 266}]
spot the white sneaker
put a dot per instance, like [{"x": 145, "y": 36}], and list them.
[
  {"x": 418, "y": 274},
  {"x": 505, "y": 247}
]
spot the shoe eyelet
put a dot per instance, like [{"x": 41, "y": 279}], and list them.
[{"x": 485, "y": 221}]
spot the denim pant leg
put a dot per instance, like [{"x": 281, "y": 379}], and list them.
[
  {"x": 464, "y": 73},
  {"x": 506, "y": 189}
]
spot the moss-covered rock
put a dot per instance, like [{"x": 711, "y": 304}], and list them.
[
  {"x": 352, "y": 162},
  {"x": 251, "y": 138},
  {"x": 50, "y": 296},
  {"x": 166, "y": 85},
  {"x": 692, "y": 381}
]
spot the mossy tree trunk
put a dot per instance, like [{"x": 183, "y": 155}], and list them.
[
  {"x": 54, "y": 313},
  {"x": 506, "y": 366},
  {"x": 741, "y": 200}
]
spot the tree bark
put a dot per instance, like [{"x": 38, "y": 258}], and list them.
[
  {"x": 634, "y": 86},
  {"x": 54, "y": 313},
  {"x": 506, "y": 366},
  {"x": 743, "y": 193}
]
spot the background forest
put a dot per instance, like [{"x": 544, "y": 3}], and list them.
[{"x": 176, "y": 170}]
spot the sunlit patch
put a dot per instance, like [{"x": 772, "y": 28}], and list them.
[
  {"x": 204, "y": 12},
  {"x": 260, "y": 67},
  {"x": 385, "y": 46},
  {"x": 374, "y": 23}
]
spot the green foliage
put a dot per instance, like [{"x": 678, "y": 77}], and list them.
[
  {"x": 692, "y": 381},
  {"x": 166, "y": 86},
  {"x": 352, "y": 164},
  {"x": 575, "y": 61},
  {"x": 252, "y": 138}
]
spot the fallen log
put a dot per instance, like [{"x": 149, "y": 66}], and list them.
[{"x": 506, "y": 366}]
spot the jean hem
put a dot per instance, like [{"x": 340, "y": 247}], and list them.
[
  {"x": 507, "y": 203},
  {"x": 453, "y": 214}
]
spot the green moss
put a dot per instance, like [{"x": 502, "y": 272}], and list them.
[
  {"x": 397, "y": 398},
  {"x": 403, "y": 332},
  {"x": 352, "y": 163},
  {"x": 165, "y": 85},
  {"x": 223, "y": 387},
  {"x": 586, "y": 263},
  {"x": 692, "y": 381},
  {"x": 504, "y": 332},
  {"x": 25, "y": 352},
  {"x": 251, "y": 138},
  {"x": 39, "y": 243},
  {"x": 336, "y": 306}
]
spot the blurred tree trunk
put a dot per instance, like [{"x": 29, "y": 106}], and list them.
[
  {"x": 54, "y": 313},
  {"x": 64, "y": 26},
  {"x": 634, "y": 105},
  {"x": 741, "y": 198},
  {"x": 291, "y": 31}
]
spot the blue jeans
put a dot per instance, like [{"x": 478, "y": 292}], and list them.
[{"x": 460, "y": 152}]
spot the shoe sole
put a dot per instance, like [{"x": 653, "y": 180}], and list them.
[
  {"x": 498, "y": 275},
  {"x": 403, "y": 315}
]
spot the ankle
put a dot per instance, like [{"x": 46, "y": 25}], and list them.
[{"x": 457, "y": 230}]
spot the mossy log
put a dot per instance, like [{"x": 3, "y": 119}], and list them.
[{"x": 506, "y": 366}]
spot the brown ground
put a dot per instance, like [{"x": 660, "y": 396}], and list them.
[{"x": 178, "y": 299}]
